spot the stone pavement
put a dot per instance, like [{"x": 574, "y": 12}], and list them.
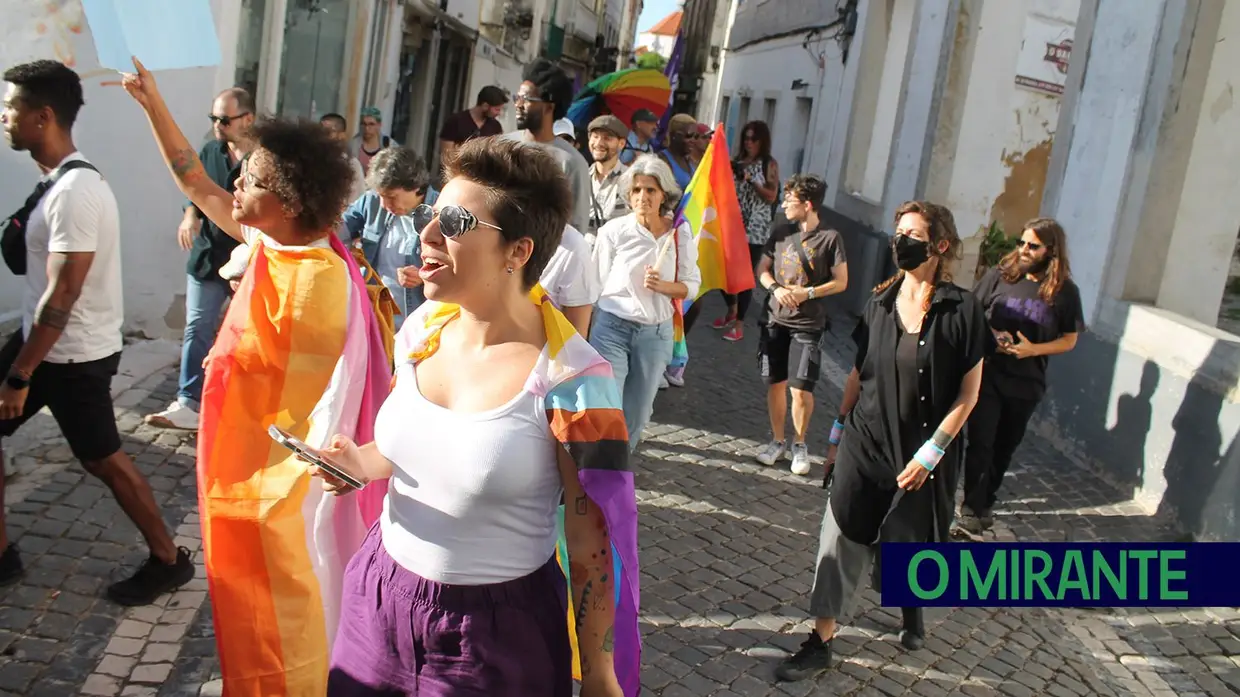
[{"x": 727, "y": 546}]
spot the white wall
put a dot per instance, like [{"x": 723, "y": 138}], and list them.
[
  {"x": 492, "y": 66},
  {"x": 1005, "y": 131},
  {"x": 657, "y": 43},
  {"x": 112, "y": 131},
  {"x": 767, "y": 71},
  {"x": 1200, "y": 255}
]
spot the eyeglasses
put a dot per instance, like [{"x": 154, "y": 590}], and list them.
[
  {"x": 750, "y": 138},
  {"x": 1031, "y": 246},
  {"x": 526, "y": 98},
  {"x": 248, "y": 178},
  {"x": 225, "y": 121},
  {"x": 454, "y": 221}
]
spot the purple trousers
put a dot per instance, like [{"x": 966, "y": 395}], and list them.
[{"x": 404, "y": 636}]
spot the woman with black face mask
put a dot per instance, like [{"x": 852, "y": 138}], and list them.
[{"x": 920, "y": 344}]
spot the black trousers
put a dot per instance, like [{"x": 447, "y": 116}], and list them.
[{"x": 996, "y": 427}]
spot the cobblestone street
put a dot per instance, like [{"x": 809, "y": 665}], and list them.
[{"x": 727, "y": 546}]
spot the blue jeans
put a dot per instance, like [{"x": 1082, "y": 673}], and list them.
[
  {"x": 638, "y": 354},
  {"x": 204, "y": 300}
]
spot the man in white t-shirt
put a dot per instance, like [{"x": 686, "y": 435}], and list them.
[
  {"x": 571, "y": 280},
  {"x": 69, "y": 346}
]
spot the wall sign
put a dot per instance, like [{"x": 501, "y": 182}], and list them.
[{"x": 1042, "y": 65}]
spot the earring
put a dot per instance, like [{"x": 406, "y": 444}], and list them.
[{"x": 509, "y": 270}]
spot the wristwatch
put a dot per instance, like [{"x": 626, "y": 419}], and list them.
[
  {"x": 811, "y": 293},
  {"x": 17, "y": 382}
]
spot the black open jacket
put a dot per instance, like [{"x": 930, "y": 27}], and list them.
[{"x": 953, "y": 340}]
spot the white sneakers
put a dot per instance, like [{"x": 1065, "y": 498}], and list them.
[
  {"x": 800, "y": 459},
  {"x": 176, "y": 416},
  {"x": 772, "y": 452},
  {"x": 776, "y": 449}
]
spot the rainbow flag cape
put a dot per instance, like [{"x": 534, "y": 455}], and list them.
[
  {"x": 584, "y": 411},
  {"x": 711, "y": 209},
  {"x": 299, "y": 348}
]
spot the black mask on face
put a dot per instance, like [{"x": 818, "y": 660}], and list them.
[{"x": 909, "y": 252}]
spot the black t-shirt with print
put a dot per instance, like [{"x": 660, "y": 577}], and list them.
[
  {"x": 824, "y": 250},
  {"x": 1018, "y": 307}
]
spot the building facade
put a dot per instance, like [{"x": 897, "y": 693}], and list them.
[{"x": 1117, "y": 118}]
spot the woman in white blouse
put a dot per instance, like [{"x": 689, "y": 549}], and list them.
[{"x": 643, "y": 264}]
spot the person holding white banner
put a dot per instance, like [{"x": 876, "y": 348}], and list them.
[{"x": 643, "y": 264}]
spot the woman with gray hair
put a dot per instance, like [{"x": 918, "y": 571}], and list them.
[
  {"x": 380, "y": 223},
  {"x": 643, "y": 264}
]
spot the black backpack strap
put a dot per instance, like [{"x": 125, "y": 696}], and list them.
[{"x": 13, "y": 236}]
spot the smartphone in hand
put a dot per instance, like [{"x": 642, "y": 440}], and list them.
[{"x": 304, "y": 452}]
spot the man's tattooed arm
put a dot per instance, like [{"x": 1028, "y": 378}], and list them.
[{"x": 66, "y": 272}]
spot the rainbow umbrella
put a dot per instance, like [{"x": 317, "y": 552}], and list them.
[{"x": 621, "y": 93}]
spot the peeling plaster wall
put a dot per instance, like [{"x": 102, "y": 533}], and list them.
[
  {"x": 994, "y": 138},
  {"x": 112, "y": 132}
]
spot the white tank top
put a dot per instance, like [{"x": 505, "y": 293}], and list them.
[{"x": 473, "y": 497}]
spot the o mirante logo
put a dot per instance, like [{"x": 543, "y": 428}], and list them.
[{"x": 1060, "y": 574}]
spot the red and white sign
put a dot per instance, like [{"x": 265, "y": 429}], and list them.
[{"x": 1042, "y": 65}]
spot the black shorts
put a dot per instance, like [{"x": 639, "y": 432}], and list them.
[
  {"x": 79, "y": 395},
  {"x": 790, "y": 355}
]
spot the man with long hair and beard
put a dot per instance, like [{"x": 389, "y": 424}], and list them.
[{"x": 1034, "y": 310}]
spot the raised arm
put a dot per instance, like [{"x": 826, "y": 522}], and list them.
[{"x": 182, "y": 160}]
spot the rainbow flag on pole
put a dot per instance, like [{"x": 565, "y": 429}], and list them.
[
  {"x": 713, "y": 212},
  {"x": 300, "y": 348}
]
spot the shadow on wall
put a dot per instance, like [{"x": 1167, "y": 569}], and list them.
[
  {"x": 1202, "y": 470},
  {"x": 1196, "y": 484}
]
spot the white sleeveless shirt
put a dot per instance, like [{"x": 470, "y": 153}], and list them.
[{"x": 473, "y": 497}]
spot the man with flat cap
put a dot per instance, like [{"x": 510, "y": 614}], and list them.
[
  {"x": 641, "y": 140},
  {"x": 607, "y": 136}
]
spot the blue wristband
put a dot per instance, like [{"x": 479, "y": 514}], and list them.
[
  {"x": 837, "y": 432},
  {"x": 929, "y": 455}
]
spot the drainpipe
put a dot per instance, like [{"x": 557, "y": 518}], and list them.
[{"x": 723, "y": 61}]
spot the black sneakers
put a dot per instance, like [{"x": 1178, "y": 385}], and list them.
[
  {"x": 813, "y": 658},
  {"x": 970, "y": 524},
  {"x": 10, "y": 566},
  {"x": 913, "y": 633},
  {"x": 153, "y": 579}
]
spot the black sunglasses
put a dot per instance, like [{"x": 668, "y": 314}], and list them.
[
  {"x": 226, "y": 120},
  {"x": 454, "y": 221},
  {"x": 1031, "y": 246}
]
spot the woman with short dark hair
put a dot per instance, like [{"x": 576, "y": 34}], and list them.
[
  {"x": 499, "y": 411},
  {"x": 380, "y": 223}
]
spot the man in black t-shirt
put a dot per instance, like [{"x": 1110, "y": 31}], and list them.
[
  {"x": 479, "y": 121},
  {"x": 802, "y": 263},
  {"x": 1034, "y": 310}
]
